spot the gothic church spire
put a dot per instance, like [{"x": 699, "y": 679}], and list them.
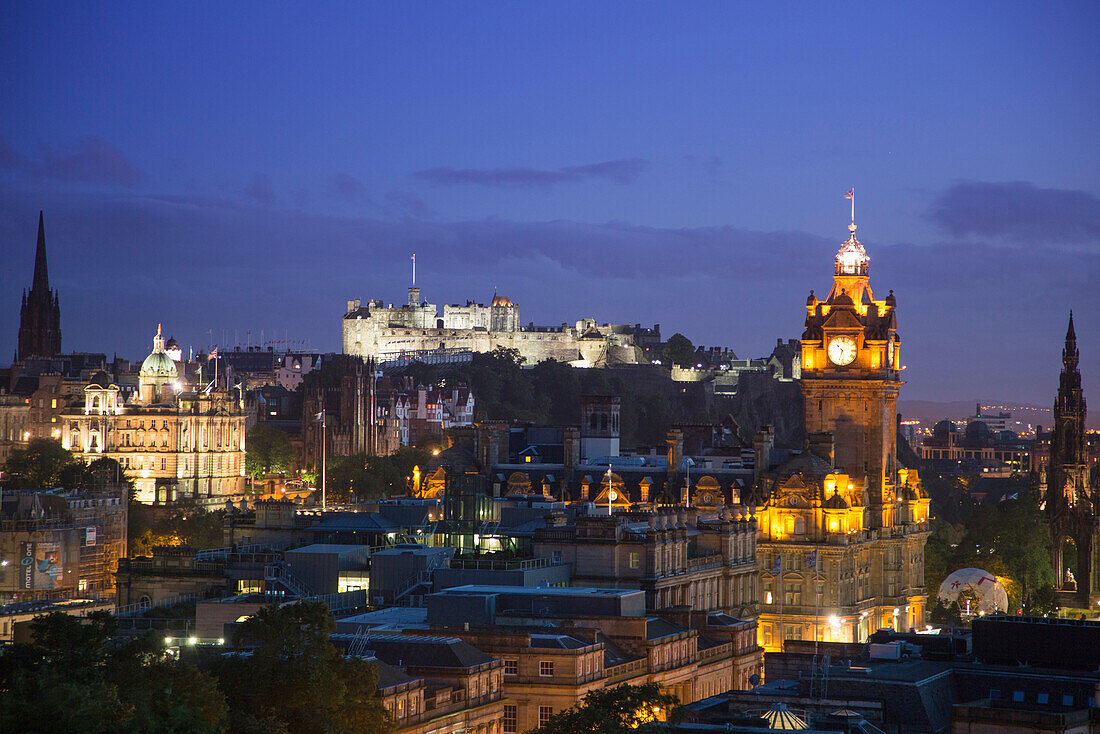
[
  {"x": 40, "y": 313},
  {"x": 41, "y": 282}
]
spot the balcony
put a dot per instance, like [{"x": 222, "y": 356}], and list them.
[
  {"x": 717, "y": 652},
  {"x": 626, "y": 670}
]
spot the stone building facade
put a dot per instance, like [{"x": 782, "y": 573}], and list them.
[
  {"x": 376, "y": 331},
  {"x": 842, "y": 524},
  {"x": 175, "y": 439},
  {"x": 61, "y": 544},
  {"x": 691, "y": 558}
]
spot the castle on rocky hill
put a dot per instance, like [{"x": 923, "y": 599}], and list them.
[{"x": 416, "y": 330}]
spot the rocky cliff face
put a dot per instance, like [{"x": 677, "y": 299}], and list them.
[{"x": 762, "y": 400}]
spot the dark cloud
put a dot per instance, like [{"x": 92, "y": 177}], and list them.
[
  {"x": 1018, "y": 211},
  {"x": 708, "y": 164},
  {"x": 87, "y": 160},
  {"x": 238, "y": 266},
  {"x": 345, "y": 186},
  {"x": 624, "y": 171},
  {"x": 259, "y": 191},
  {"x": 401, "y": 204}
]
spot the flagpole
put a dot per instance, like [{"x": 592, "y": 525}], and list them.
[
  {"x": 781, "y": 594},
  {"x": 609, "y": 484},
  {"x": 817, "y": 600},
  {"x": 324, "y": 479}
]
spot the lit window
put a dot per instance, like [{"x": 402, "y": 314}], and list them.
[
  {"x": 1017, "y": 696},
  {"x": 1042, "y": 698},
  {"x": 635, "y": 560},
  {"x": 546, "y": 668},
  {"x": 511, "y": 667}
]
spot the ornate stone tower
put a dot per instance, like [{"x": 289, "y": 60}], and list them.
[
  {"x": 842, "y": 527},
  {"x": 1069, "y": 499},
  {"x": 40, "y": 315},
  {"x": 851, "y": 378}
]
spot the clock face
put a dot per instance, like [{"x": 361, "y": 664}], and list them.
[{"x": 842, "y": 350}]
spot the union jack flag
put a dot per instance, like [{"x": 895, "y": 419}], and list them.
[
  {"x": 213, "y": 354},
  {"x": 851, "y": 194}
]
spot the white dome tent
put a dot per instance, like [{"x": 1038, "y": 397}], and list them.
[{"x": 981, "y": 589}]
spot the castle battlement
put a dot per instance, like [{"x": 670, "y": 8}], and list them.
[{"x": 383, "y": 333}]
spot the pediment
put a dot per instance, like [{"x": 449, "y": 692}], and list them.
[{"x": 842, "y": 318}]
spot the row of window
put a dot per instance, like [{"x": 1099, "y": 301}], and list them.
[
  {"x": 511, "y": 717},
  {"x": 1040, "y": 698},
  {"x": 546, "y": 667}
]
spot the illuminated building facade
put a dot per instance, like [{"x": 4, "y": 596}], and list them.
[
  {"x": 373, "y": 330},
  {"x": 60, "y": 544},
  {"x": 175, "y": 439},
  {"x": 842, "y": 525}
]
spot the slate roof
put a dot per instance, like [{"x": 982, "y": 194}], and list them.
[
  {"x": 806, "y": 463},
  {"x": 388, "y": 675},
  {"x": 361, "y": 521},
  {"x": 416, "y": 651},
  {"x": 560, "y": 642},
  {"x": 655, "y": 628}
]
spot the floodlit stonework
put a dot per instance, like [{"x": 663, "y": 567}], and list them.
[
  {"x": 177, "y": 440},
  {"x": 417, "y": 330}
]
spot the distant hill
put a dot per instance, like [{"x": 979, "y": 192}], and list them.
[{"x": 930, "y": 411}]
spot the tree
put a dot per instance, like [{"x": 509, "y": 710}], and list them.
[
  {"x": 267, "y": 449},
  {"x": 295, "y": 680},
  {"x": 1010, "y": 539},
  {"x": 679, "y": 350},
  {"x": 363, "y": 477},
  {"x": 107, "y": 472},
  {"x": 615, "y": 710},
  {"x": 44, "y": 464},
  {"x": 185, "y": 524},
  {"x": 76, "y": 678}
]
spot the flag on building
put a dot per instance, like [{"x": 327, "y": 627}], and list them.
[
  {"x": 213, "y": 354},
  {"x": 778, "y": 565},
  {"x": 811, "y": 561}
]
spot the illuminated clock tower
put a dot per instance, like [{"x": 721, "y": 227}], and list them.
[
  {"x": 842, "y": 526},
  {"x": 851, "y": 378}
]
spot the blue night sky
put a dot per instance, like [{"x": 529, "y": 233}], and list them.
[{"x": 239, "y": 166}]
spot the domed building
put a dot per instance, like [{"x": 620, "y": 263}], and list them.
[
  {"x": 175, "y": 440},
  {"x": 158, "y": 377}
]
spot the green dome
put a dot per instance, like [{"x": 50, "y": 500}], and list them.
[{"x": 158, "y": 364}]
